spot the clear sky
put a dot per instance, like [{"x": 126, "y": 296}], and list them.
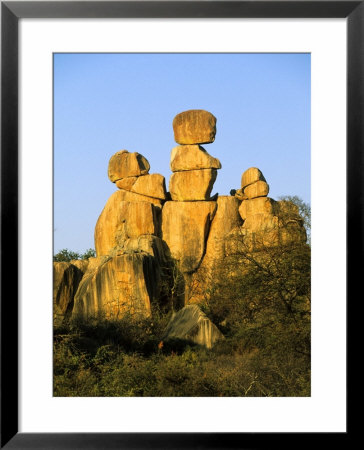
[{"x": 108, "y": 102}]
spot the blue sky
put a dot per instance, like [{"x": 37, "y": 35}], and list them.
[{"x": 107, "y": 102}]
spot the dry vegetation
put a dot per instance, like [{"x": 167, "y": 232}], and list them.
[{"x": 260, "y": 300}]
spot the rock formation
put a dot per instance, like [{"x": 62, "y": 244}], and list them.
[
  {"x": 143, "y": 230},
  {"x": 66, "y": 279},
  {"x": 191, "y": 324},
  {"x": 265, "y": 220}
]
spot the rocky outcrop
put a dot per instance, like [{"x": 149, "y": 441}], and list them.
[
  {"x": 192, "y": 325},
  {"x": 146, "y": 237},
  {"x": 195, "y": 126},
  {"x": 266, "y": 221},
  {"x": 120, "y": 285}
]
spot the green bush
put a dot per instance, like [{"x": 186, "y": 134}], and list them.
[{"x": 66, "y": 255}]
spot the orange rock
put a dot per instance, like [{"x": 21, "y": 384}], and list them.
[
  {"x": 152, "y": 185},
  {"x": 121, "y": 220},
  {"x": 192, "y": 184},
  {"x": 192, "y": 157},
  {"x": 126, "y": 183},
  {"x": 260, "y": 205},
  {"x": 257, "y": 189},
  {"x": 185, "y": 226},
  {"x": 124, "y": 164},
  {"x": 195, "y": 126},
  {"x": 250, "y": 176}
]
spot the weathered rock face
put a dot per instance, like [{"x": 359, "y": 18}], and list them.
[
  {"x": 192, "y": 325},
  {"x": 121, "y": 285},
  {"x": 185, "y": 226},
  {"x": 126, "y": 183},
  {"x": 195, "y": 126},
  {"x": 81, "y": 264},
  {"x": 129, "y": 196},
  {"x": 66, "y": 278},
  {"x": 124, "y": 164},
  {"x": 260, "y": 205},
  {"x": 260, "y": 222},
  {"x": 257, "y": 189},
  {"x": 250, "y": 176},
  {"x": 226, "y": 219},
  {"x": 239, "y": 194},
  {"x": 192, "y": 185},
  {"x": 152, "y": 185},
  {"x": 192, "y": 157},
  {"x": 121, "y": 220}
]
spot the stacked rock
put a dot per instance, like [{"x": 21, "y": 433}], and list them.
[
  {"x": 186, "y": 219},
  {"x": 194, "y": 170},
  {"x": 265, "y": 220},
  {"x": 125, "y": 275},
  {"x": 258, "y": 211},
  {"x": 130, "y": 172}
]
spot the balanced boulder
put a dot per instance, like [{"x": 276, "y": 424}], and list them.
[
  {"x": 250, "y": 176},
  {"x": 124, "y": 164},
  {"x": 195, "y": 126}
]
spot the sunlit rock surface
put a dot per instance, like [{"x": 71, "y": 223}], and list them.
[
  {"x": 191, "y": 324},
  {"x": 185, "y": 226},
  {"x": 192, "y": 157},
  {"x": 121, "y": 285},
  {"x": 195, "y": 126},
  {"x": 124, "y": 164},
  {"x": 191, "y": 185}
]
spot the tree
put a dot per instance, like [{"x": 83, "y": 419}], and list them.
[
  {"x": 66, "y": 255},
  {"x": 261, "y": 295},
  {"x": 304, "y": 210}
]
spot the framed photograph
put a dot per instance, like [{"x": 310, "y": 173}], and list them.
[{"x": 84, "y": 81}]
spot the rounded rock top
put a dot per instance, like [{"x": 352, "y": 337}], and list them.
[
  {"x": 195, "y": 126},
  {"x": 250, "y": 176},
  {"x": 124, "y": 164}
]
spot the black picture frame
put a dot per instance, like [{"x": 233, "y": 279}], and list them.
[{"x": 11, "y": 12}]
